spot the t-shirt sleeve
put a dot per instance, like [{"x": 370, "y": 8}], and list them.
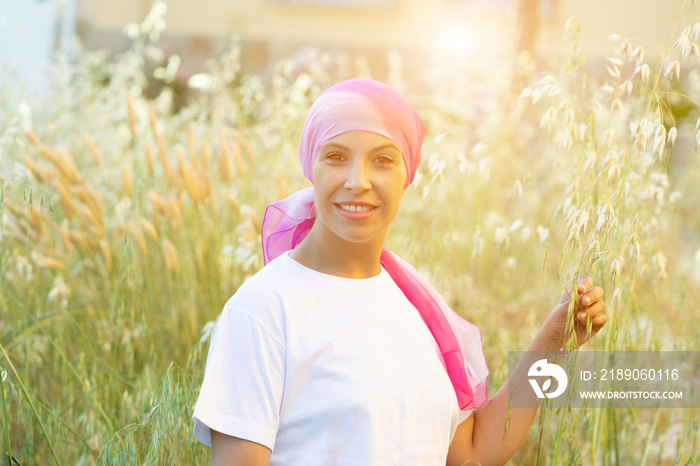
[
  {"x": 464, "y": 415},
  {"x": 243, "y": 383}
]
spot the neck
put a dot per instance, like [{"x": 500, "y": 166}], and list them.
[{"x": 332, "y": 255}]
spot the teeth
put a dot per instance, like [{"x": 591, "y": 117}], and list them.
[{"x": 356, "y": 208}]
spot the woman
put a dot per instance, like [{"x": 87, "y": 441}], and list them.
[{"x": 337, "y": 351}]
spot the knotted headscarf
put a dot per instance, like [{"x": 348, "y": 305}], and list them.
[{"x": 371, "y": 106}]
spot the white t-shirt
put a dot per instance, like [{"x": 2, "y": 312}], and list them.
[{"x": 326, "y": 370}]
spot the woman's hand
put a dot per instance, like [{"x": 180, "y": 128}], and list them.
[{"x": 589, "y": 305}]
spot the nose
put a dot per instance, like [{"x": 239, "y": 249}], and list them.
[{"x": 357, "y": 177}]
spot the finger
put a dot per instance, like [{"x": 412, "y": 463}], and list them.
[
  {"x": 593, "y": 295},
  {"x": 566, "y": 296},
  {"x": 598, "y": 322},
  {"x": 591, "y": 311},
  {"x": 584, "y": 283}
]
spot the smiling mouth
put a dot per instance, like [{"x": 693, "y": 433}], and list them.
[{"x": 356, "y": 208}]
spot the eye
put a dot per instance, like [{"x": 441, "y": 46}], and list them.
[
  {"x": 337, "y": 156},
  {"x": 384, "y": 159}
]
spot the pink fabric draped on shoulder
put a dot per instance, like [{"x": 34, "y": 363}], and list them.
[{"x": 368, "y": 105}]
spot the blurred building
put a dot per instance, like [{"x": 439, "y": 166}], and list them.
[
  {"x": 277, "y": 26},
  {"x": 269, "y": 29},
  {"x": 31, "y": 32}
]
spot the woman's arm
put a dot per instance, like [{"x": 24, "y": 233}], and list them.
[
  {"x": 234, "y": 451},
  {"x": 483, "y": 437}
]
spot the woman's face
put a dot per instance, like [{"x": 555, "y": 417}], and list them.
[{"x": 358, "y": 184}]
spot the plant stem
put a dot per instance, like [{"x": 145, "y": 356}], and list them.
[
  {"x": 6, "y": 422},
  {"x": 31, "y": 404}
]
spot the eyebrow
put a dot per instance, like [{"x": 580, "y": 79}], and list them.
[{"x": 376, "y": 149}]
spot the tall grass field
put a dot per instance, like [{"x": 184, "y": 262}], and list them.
[{"x": 128, "y": 218}]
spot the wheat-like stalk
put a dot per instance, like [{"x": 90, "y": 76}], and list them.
[
  {"x": 93, "y": 150},
  {"x": 175, "y": 210},
  {"x": 140, "y": 240},
  {"x": 149, "y": 158},
  {"x": 206, "y": 155},
  {"x": 150, "y": 229},
  {"x": 128, "y": 181},
  {"x": 158, "y": 202},
  {"x": 106, "y": 251},
  {"x": 160, "y": 142},
  {"x": 243, "y": 142},
  {"x": 224, "y": 161},
  {"x": 233, "y": 203},
  {"x": 46, "y": 262},
  {"x": 171, "y": 260}
]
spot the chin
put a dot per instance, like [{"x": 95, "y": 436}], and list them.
[{"x": 359, "y": 238}]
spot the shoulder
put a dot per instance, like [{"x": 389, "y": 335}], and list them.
[
  {"x": 411, "y": 271},
  {"x": 263, "y": 297},
  {"x": 264, "y": 287}
]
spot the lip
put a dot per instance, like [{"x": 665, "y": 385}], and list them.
[
  {"x": 356, "y": 203},
  {"x": 355, "y": 215}
]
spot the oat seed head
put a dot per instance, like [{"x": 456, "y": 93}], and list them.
[
  {"x": 615, "y": 268},
  {"x": 673, "y": 71},
  {"x": 672, "y": 133}
]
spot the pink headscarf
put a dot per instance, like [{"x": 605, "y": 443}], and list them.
[{"x": 368, "y": 105}]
